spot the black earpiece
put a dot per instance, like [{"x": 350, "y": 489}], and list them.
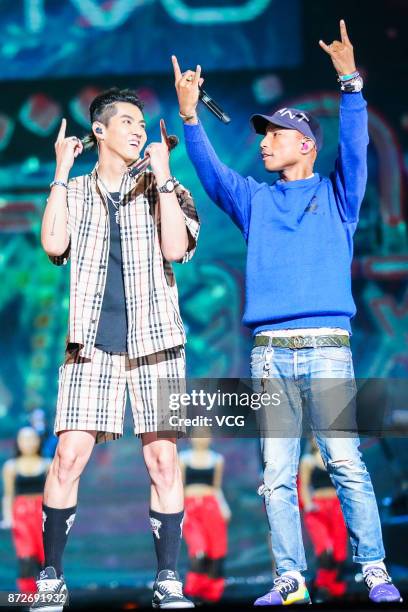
[{"x": 98, "y": 130}]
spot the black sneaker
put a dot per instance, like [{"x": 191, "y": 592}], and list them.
[
  {"x": 52, "y": 592},
  {"x": 168, "y": 591}
]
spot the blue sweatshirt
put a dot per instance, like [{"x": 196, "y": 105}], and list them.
[{"x": 299, "y": 233}]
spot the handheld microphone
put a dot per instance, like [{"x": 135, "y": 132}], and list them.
[
  {"x": 141, "y": 165},
  {"x": 213, "y": 106}
]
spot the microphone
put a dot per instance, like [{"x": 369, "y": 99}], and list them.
[
  {"x": 213, "y": 106},
  {"x": 141, "y": 165},
  {"x": 172, "y": 141}
]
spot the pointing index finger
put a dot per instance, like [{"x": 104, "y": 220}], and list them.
[
  {"x": 197, "y": 75},
  {"x": 163, "y": 131},
  {"x": 343, "y": 32},
  {"x": 61, "y": 132},
  {"x": 176, "y": 67}
]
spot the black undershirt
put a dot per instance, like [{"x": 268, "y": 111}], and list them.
[{"x": 112, "y": 328}]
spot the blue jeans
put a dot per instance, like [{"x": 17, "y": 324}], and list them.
[{"x": 296, "y": 372}]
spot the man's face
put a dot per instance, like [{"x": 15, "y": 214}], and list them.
[
  {"x": 281, "y": 148},
  {"x": 125, "y": 132}
]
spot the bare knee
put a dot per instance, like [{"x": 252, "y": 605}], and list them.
[
  {"x": 163, "y": 468},
  {"x": 70, "y": 460}
]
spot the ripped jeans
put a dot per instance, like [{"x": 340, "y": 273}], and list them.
[{"x": 294, "y": 372}]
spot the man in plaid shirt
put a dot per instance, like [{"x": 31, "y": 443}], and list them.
[{"x": 125, "y": 331}]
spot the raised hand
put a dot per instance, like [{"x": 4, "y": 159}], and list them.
[
  {"x": 66, "y": 149},
  {"x": 164, "y": 135},
  {"x": 159, "y": 153},
  {"x": 341, "y": 53},
  {"x": 187, "y": 84}
]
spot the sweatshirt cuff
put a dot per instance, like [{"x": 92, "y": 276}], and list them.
[
  {"x": 352, "y": 101},
  {"x": 194, "y": 133}
]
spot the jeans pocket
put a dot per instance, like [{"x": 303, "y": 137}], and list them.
[
  {"x": 257, "y": 360},
  {"x": 336, "y": 353}
]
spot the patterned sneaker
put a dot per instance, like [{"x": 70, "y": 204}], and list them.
[
  {"x": 168, "y": 591},
  {"x": 379, "y": 585},
  {"x": 285, "y": 592},
  {"x": 52, "y": 592}
]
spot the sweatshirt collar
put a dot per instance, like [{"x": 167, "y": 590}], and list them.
[{"x": 307, "y": 182}]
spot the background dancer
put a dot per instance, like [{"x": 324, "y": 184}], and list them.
[
  {"x": 206, "y": 518},
  {"x": 23, "y": 485},
  {"x": 324, "y": 523}
]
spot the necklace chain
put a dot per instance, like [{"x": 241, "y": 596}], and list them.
[
  {"x": 116, "y": 206},
  {"x": 114, "y": 202},
  {"x": 108, "y": 193}
]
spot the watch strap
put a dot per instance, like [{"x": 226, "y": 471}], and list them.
[{"x": 163, "y": 188}]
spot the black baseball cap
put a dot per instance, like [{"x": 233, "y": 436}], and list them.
[{"x": 292, "y": 119}]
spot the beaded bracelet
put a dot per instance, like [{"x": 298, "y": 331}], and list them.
[{"x": 348, "y": 77}]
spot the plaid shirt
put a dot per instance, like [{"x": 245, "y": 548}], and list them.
[{"x": 153, "y": 315}]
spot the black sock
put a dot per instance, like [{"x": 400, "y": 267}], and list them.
[
  {"x": 167, "y": 533},
  {"x": 56, "y": 526}
]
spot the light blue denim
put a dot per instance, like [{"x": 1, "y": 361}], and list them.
[{"x": 296, "y": 373}]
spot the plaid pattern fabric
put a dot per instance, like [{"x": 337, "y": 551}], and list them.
[
  {"x": 92, "y": 392},
  {"x": 153, "y": 315}
]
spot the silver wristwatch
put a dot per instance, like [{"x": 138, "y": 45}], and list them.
[{"x": 169, "y": 186}]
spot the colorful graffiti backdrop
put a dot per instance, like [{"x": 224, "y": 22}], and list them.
[{"x": 138, "y": 36}]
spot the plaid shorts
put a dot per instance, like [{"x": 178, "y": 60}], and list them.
[{"x": 92, "y": 392}]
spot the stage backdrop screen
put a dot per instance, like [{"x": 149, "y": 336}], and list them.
[{"x": 53, "y": 37}]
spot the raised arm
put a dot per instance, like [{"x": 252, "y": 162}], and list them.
[
  {"x": 350, "y": 175},
  {"x": 173, "y": 236},
  {"x": 9, "y": 474},
  {"x": 54, "y": 229},
  {"x": 228, "y": 189},
  {"x": 218, "y": 475}
]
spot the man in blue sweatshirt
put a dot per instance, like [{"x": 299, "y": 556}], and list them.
[{"x": 299, "y": 304}]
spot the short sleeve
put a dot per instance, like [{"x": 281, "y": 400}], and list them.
[{"x": 189, "y": 211}]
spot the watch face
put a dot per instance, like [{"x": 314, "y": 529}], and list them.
[{"x": 169, "y": 185}]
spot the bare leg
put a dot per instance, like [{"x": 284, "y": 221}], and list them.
[
  {"x": 72, "y": 454},
  {"x": 166, "y": 491}
]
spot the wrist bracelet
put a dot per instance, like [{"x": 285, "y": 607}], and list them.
[
  {"x": 348, "y": 77},
  {"x": 187, "y": 117},
  {"x": 353, "y": 85},
  {"x": 58, "y": 183}
]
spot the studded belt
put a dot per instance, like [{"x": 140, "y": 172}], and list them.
[{"x": 299, "y": 342}]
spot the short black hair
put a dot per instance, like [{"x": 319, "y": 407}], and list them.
[{"x": 102, "y": 108}]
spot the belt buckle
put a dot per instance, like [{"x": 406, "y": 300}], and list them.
[{"x": 299, "y": 341}]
